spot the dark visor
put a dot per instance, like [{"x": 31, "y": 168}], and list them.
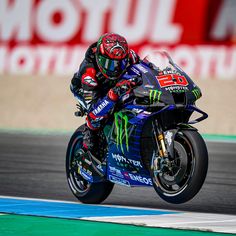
[{"x": 112, "y": 65}]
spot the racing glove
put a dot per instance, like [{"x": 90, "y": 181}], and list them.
[{"x": 123, "y": 87}]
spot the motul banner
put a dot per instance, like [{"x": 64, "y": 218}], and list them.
[{"x": 50, "y": 36}]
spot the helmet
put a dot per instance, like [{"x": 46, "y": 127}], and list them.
[{"x": 112, "y": 55}]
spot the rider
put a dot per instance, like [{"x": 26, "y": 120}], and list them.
[{"x": 99, "y": 81}]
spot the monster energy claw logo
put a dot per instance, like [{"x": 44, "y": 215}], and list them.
[
  {"x": 121, "y": 123},
  {"x": 197, "y": 93},
  {"x": 154, "y": 95}
]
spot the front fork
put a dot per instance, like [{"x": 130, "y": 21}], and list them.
[
  {"x": 163, "y": 158},
  {"x": 159, "y": 139}
]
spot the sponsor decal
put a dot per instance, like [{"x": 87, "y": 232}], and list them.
[
  {"x": 149, "y": 86},
  {"x": 140, "y": 179},
  {"x": 176, "y": 89},
  {"x": 118, "y": 157},
  {"x": 100, "y": 107},
  {"x": 171, "y": 80},
  {"x": 119, "y": 180},
  {"x": 121, "y": 123},
  {"x": 87, "y": 95},
  {"x": 85, "y": 174},
  {"x": 197, "y": 93},
  {"x": 154, "y": 95},
  {"x": 141, "y": 68},
  {"x": 121, "y": 159},
  {"x": 135, "y": 70},
  {"x": 90, "y": 81},
  {"x": 115, "y": 171}
]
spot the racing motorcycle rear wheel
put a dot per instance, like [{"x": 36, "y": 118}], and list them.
[
  {"x": 86, "y": 192},
  {"x": 186, "y": 173}
]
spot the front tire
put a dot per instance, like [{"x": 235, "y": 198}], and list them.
[
  {"x": 187, "y": 177},
  {"x": 92, "y": 193}
]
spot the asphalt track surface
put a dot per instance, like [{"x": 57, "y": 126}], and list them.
[{"x": 33, "y": 166}]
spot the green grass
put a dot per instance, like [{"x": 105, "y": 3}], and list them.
[{"x": 12, "y": 225}]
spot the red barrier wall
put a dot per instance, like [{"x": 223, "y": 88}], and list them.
[{"x": 42, "y": 37}]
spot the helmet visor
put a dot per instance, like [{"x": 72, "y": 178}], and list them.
[{"x": 112, "y": 67}]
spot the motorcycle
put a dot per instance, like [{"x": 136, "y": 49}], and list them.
[{"x": 149, "y": 141}]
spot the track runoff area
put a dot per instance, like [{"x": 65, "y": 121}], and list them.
[{"x": 24, "y": 216}]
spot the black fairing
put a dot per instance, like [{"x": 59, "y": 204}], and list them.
[{"x": 150, "y": 92}]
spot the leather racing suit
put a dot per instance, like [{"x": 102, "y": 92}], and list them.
[{"x": 89, "y": 82}]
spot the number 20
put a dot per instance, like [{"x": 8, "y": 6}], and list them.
[{"x": 170, "y": 80}]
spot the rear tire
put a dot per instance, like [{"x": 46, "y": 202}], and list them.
[
  {"x": 91, "y": 193},
  {"x": 190, "y": 172}
]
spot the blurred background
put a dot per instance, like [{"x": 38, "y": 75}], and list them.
[{"x": 42, "y": 43}]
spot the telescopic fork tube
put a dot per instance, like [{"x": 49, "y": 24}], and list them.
[{"x": 159, "y": 138}]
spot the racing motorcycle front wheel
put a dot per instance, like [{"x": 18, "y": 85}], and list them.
[
  {"x": 91, "y": 193},
  {"x": 180, "y": 179}
]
